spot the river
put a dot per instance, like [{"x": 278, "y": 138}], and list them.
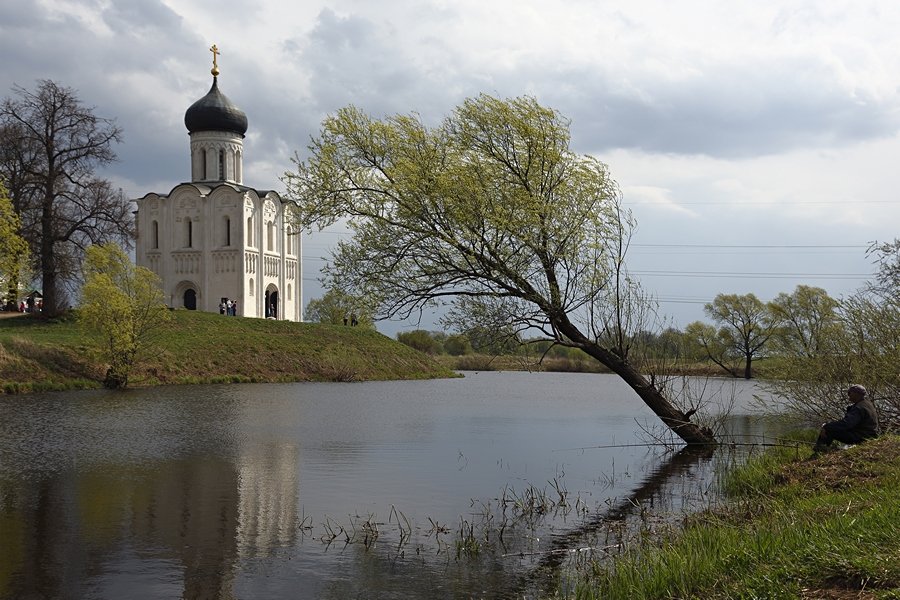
[{"x": 492, "y": 485}]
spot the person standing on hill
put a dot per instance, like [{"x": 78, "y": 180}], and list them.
[{"x": 860, "y": 422}]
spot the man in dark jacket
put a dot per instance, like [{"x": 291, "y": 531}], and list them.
[{"x": 860, "y": 422}]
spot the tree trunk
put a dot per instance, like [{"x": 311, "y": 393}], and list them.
[
  {"x": 48, "y": 259},
  {"x": 748, "y": 372},
  {"x": 674, "y": 419}
]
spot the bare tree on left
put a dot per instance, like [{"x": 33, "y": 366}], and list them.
[{"x": 51, "y": 147}]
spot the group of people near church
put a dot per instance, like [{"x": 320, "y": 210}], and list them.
[{"x": 228, "y": 307}]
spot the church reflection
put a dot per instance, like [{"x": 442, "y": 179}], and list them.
[{"x": 188, "y": 521}]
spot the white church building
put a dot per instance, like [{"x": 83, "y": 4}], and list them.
[{"x": 215, "y": 239}]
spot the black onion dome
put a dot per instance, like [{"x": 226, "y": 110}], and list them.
[{"x": 215, "y": 112}]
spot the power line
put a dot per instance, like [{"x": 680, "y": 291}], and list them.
[
  {"x": 749, "y": 246},
  {"x": 758, "y": 203},
  {"x": 718, "y": 274}
]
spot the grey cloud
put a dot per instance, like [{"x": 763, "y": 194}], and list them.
[
  {"x": 725, "y": 111},
  {"x": 128, "y": 17},
  {"x": 733, "y": 113},
  {"x": 349, "y": 60},
  {"x": 350, "y": 63},
  {"x": 100, "y": 68}
]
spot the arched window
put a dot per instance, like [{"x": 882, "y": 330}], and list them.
[
  {"x": 154, "y": 239},
  {"x": 221, "y": 165},
  {"x": 188, "y": 233},
  {"x": 226, "y": 226},
  {"x": 250, "y": 231},
  {"x": 289, "y": 241},
  {"x": 289, "y": 292},
  {"x": 251, "y": 286},
  {"x": 203, "y": 162},
  {"x": 270, "y": 237}
]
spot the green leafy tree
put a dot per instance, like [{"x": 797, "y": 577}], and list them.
[
  {"x": 336, "y": 307},
  {"x": 862, "y": 345},
  {"x": 702, "y": 340},
  {"x": 804, "y": 321},
  {"x": 50, "y": 149},
  {"x": 745, "y": 326},
  {"x": 13, "y": 249},
  {"x": 864, "y": 348},
  {"x": 489, "y": 210},
  {"x": 458, "y": 345},
  {"x": 421, "y": 340},
  {"x": 124, "y": 304}
]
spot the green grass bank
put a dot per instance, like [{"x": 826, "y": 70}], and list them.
[
  {"x": 42, "y": 355},
  {"x": 796, "y": 526}
]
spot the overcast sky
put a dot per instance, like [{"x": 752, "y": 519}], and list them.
[{"x": 756, "y": 142}]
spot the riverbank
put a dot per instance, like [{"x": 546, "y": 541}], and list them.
[
  {"x": 797, "y": 526},
  {"x": 59, "y": 354}
]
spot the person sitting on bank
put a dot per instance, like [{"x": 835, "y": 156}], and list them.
[{"x": 860, "y": 422}]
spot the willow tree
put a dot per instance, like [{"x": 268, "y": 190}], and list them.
[
  {"x": 746, "y": 326},
  {"x": 490, "y": 210}
]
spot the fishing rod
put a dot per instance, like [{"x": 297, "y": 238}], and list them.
[{"x": 791, "y": 444}]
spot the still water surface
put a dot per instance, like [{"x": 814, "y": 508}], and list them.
[{"x": 444, "y": 489}]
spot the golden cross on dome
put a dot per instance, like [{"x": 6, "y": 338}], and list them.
[{"x": 215, "y": 70}]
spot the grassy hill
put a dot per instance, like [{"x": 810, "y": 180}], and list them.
[{"x": 37, "y": 354}]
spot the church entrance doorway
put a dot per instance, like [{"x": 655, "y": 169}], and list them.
[
  {"x": 190, "y": 299},
  {"x": 272, "y": 302}
]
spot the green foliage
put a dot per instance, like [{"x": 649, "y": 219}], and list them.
[
  {"x": 198, "y": 347},
  {"x": 124, "y": 303},
  {"x": 337, "y": 307},
  {"x": 854, "y": 340},
  {"x": 421, "y": 340},
  {"x": 491, "y": 206},
  {"x": 457, "y": 345},
  {"x": 804, "y": 321},
  {"x": 13, "y": 248},
  {"x": 494, "y": 341},
  {"x": 745, "y": 326},
  {"x": 702, "y": 339},
  {"x": 799, "y": 528},
  {"x": 864, "y": 348}
]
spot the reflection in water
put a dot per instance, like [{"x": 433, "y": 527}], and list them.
[
  {"x": 649, "y": 493},
  {"x": 196, "y": 492},
  {"x": 268, "y": 486},
  {"x": 195, "y": 518}
]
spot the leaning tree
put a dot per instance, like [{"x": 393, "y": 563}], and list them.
[
  {"x": 491, "y": 210},
  {"x": 50, "y": 149}
]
